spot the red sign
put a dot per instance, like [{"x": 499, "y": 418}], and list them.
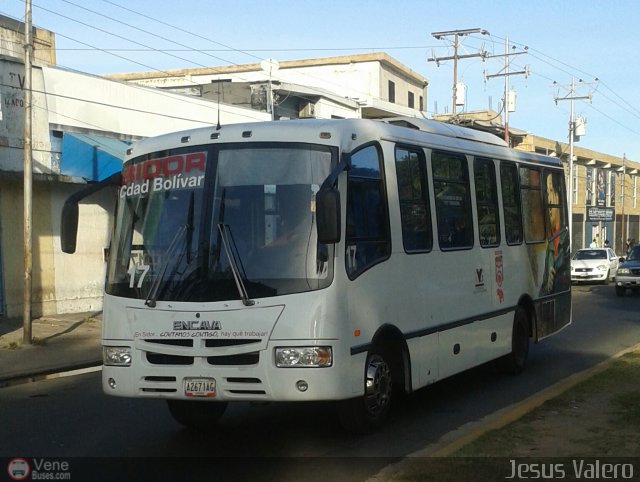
[{"x": 164, "y": 166}]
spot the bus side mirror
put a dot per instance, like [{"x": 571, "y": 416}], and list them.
[
  {"x": 69, "y": 219},
  {"x": 328, "y": 216},
  {"x": 69, "y": 226}
]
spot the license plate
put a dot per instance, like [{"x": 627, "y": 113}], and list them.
[{"x": 200, "y": 387}]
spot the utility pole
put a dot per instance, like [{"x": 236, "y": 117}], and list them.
[
  {"x": 504, "y": 72},
  {"x": 28, "y": 181},
  {"x": 572, "y": 130},
  {"x": 455, "y": 57},
  {"x": 622, "y": 230}
]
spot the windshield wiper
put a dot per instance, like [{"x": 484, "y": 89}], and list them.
[
  {"x": 153, "y": 292},
  {"x": 225, "y": 231},
  {"x": 189, "y": 226},
  {"x": 185, "y": 229}
]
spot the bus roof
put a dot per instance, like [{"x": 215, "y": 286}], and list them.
[{"x": 346, "y": 133}]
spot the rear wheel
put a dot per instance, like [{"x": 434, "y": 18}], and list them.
[
  {"x": 620, "y": 290},
  {"x": 196, "y": 415},
  {"x": 368, "y": 412},
  {"x": 514, "y": 362}
]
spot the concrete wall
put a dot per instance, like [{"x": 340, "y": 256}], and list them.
[
  {"x": 61, "y": 283},
  {"x": 12, "y": 119},
  {"x": 12, "y": 41},
  {"x": 325, "y": 109}
]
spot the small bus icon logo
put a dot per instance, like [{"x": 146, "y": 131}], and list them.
[{"x": 18, "y": 469}]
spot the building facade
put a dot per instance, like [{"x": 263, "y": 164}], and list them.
[{"x": 370, "y": 86}]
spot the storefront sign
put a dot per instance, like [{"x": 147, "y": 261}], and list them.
[{"x": 599, "y": 214}]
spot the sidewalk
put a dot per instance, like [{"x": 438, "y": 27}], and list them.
[{"x": 60, "y": 343}]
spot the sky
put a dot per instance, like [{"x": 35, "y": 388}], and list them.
[{"x": 595, "y": 43}]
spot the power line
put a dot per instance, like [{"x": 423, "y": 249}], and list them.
[
  {"x": 113, "y": 34},
  {"x": 190, "y": 49},
  {"x": 178, "y": 28}
]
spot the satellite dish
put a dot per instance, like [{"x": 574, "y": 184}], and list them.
[{"x": 270, "y": 66}]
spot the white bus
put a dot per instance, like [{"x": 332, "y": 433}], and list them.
[{"x": 337, "y": 260}]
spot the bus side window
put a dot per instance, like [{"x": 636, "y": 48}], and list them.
[
  {"x": 367, "y": 227},
  {"x": 453, "y": 200},
  {"x": 484, "y": 173},
  {"x": 532, "y": 207},
  {"x": 413, "y": 196},
  {"x": 511, "y": 207}
]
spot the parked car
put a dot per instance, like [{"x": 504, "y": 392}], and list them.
[
  {"x": 594, "y": 264},
  {"x": 628, "y": 276}
]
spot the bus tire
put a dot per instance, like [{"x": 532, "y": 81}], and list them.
[
  {"x": 196, "y": 414},
  {"x": 514, "y": 362},
  {"x": 368, "y": 412}
]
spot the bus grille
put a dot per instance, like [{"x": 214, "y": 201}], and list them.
[
  {"x": 159, "y": 384},
  {"x": 163, "y": 359},
  {"x": 186, "y": 357},
  {"x": 229, "y": 360}
]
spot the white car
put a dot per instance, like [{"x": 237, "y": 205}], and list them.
[{"x": 594, "y": 264}]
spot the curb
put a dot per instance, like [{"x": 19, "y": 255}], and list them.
[
  {"x": 469, "y": 432},
  {"x": 68, "y": 371}
]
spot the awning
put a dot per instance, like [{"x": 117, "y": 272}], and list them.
[{"x": 92, "y": 157}]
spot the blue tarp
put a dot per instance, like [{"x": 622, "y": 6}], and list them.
[{"x": 92, "y": 157}]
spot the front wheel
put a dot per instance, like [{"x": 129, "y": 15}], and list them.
[
  {"x": 606, "y": 280},
  {"x": 368, "y": 412},
  {"x": 197, "y": 415},
  {"x": 514, "y": 362}
]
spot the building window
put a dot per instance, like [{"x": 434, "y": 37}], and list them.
[
  {"x": 421, "y": 106},
  {"x": 612, "y": 189},
  {"x": 589, "y": 187},
  {"x": 411, "y": 100},
  {"x": 392, "y": 91}
]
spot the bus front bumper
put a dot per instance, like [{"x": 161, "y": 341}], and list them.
[{"x": 197, "y": 377}]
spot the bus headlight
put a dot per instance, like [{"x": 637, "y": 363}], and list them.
[
  {"x": 304, "y": 356},
  {"x": 119, "y": 356}
]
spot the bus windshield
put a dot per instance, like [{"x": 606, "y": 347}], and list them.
[{"x": 196, "y": 224}]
